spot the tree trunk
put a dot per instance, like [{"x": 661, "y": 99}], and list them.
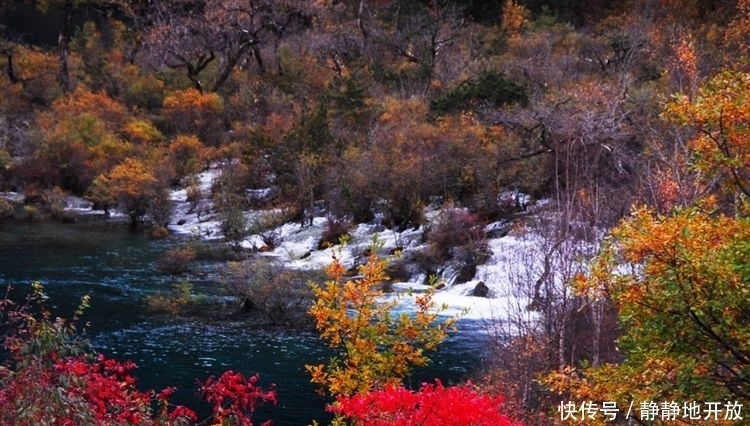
[
  {"x": 231, "y": 63},
  {"x": 63, "y": 76}
]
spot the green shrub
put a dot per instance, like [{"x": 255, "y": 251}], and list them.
[{"x": 492, "y": 88}]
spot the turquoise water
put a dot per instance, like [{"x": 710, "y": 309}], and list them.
[{"x": 117, "y": 269}]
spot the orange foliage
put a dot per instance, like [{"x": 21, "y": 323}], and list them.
[
  {"x": 514, "y": 16},
  {"x": 378, "y": 347},
  {"x": 131, "y": 186},
  {"x": 141, "y": 131},
  {"x": 193, "y": 112},
  {"x": 131, "y": 178},
  {"x": 98, "y": 104},
  {"x": 681, "y": 303},
  {"x": 186, "y": 154},
  {"x": 80, "y": 135},
  {"x": 32, "y": 63},
  {"x": 719, "y": 112},
  {"x": 409, "y": 159},
  {"x": 686, "y": 64},
  {"x": 738, "y": 31},
  {"x": 192, "y": 99},
  {"x": 36, "y": 69}
]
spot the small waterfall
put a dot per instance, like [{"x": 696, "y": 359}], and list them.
[{"x": 78, "y": 204}]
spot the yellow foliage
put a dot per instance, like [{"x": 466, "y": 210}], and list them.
[
  {"x": 186, "y": 153},
  {"x": 719, "y": 111},
  {"x": 679, "y": 288},
  {"x": 193, "y": 112},
  {"x": 514, "y": 16},
  {"x": 193, "y": 100},
  {"x": 37, "y": 69},
  {"x": 85, "y": 102},
  {"x": 378, "y": 348},
  {"x": 132, "y": 178},
  {"x": 31, "y": 63},
  {"x": 138, "y": 87},
  {"x": 142, "y": 131}
]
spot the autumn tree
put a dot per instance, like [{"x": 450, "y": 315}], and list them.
[
  {"x": 191, "y": 112},
  {"x": 375, "y": 347},
  {"x": 79, "y": 138},
  {"x": 410, "y": 161},
  {"x": 718, "y": 113},
  {"x": 589, "y": 114},
  {"x": 29, "y": 68},
  {"x": 132, "y": 187},
  {"x": 681, "y": 308},
  {"x": 67, "y": 10},
  {"x": 677, "y": 279},
  {"x": 186, "y": 156}
]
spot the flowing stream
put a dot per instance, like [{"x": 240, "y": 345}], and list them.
[{"x": 116, "y": 268}]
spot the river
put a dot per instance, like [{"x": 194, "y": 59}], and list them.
[{"x": 116, "y": 268}]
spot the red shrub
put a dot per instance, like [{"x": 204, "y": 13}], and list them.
[
  {"x": 236, "y": 397},
  {"x": 54, "y": 378},
  {"x": 434, "y": 405}
]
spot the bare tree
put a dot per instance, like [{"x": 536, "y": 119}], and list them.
[{"x": 193, "y": 34}]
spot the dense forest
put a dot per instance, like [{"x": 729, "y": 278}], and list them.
[{"x": 630, "y": 118}]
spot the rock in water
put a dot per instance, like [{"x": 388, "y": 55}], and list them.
[{"x": 481, "y": 290}]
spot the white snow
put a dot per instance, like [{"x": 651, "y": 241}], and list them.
[
  {"x": 196, "y": 218},
  {"x": 13, "y": 197},
  {"x": 515, "y": 261}
]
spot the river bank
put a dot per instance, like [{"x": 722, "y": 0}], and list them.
[
  {"x": 117, "y": 268},
  {"x": 486, "y": 290}
]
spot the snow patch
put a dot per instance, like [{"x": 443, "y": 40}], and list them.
[
  {"x": 13, "y": 197},
  {"x": 515, "y": 255}
]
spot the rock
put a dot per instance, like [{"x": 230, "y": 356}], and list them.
[
  {"x": 481, "y": 290},
  {"x": 498, "y": 229}
]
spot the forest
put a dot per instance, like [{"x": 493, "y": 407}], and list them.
[{"x": 630, "y": 120}]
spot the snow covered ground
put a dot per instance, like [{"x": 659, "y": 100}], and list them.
[
  {"x": 514, "y": 263},
  {"x": 515, "y": 257}
]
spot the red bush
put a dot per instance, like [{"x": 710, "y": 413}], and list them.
[
  {"x": 235, "y": 398},
  {"x": 434, "y": 405},
  {"x": 54, "y": 378}
]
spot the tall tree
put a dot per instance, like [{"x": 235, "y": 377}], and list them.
[
  {"x": 193, "y": 34},
  {"x": 67, "y": 10},
  {"x": 680, "y": 280}
]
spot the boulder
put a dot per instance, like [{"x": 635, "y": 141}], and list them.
[{"x": 481, "y": 290}]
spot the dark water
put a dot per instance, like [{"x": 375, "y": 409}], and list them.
[{"x": 116, "y": 268}]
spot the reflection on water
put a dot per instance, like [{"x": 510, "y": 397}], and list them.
[{"x": 116, "y": 268}]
